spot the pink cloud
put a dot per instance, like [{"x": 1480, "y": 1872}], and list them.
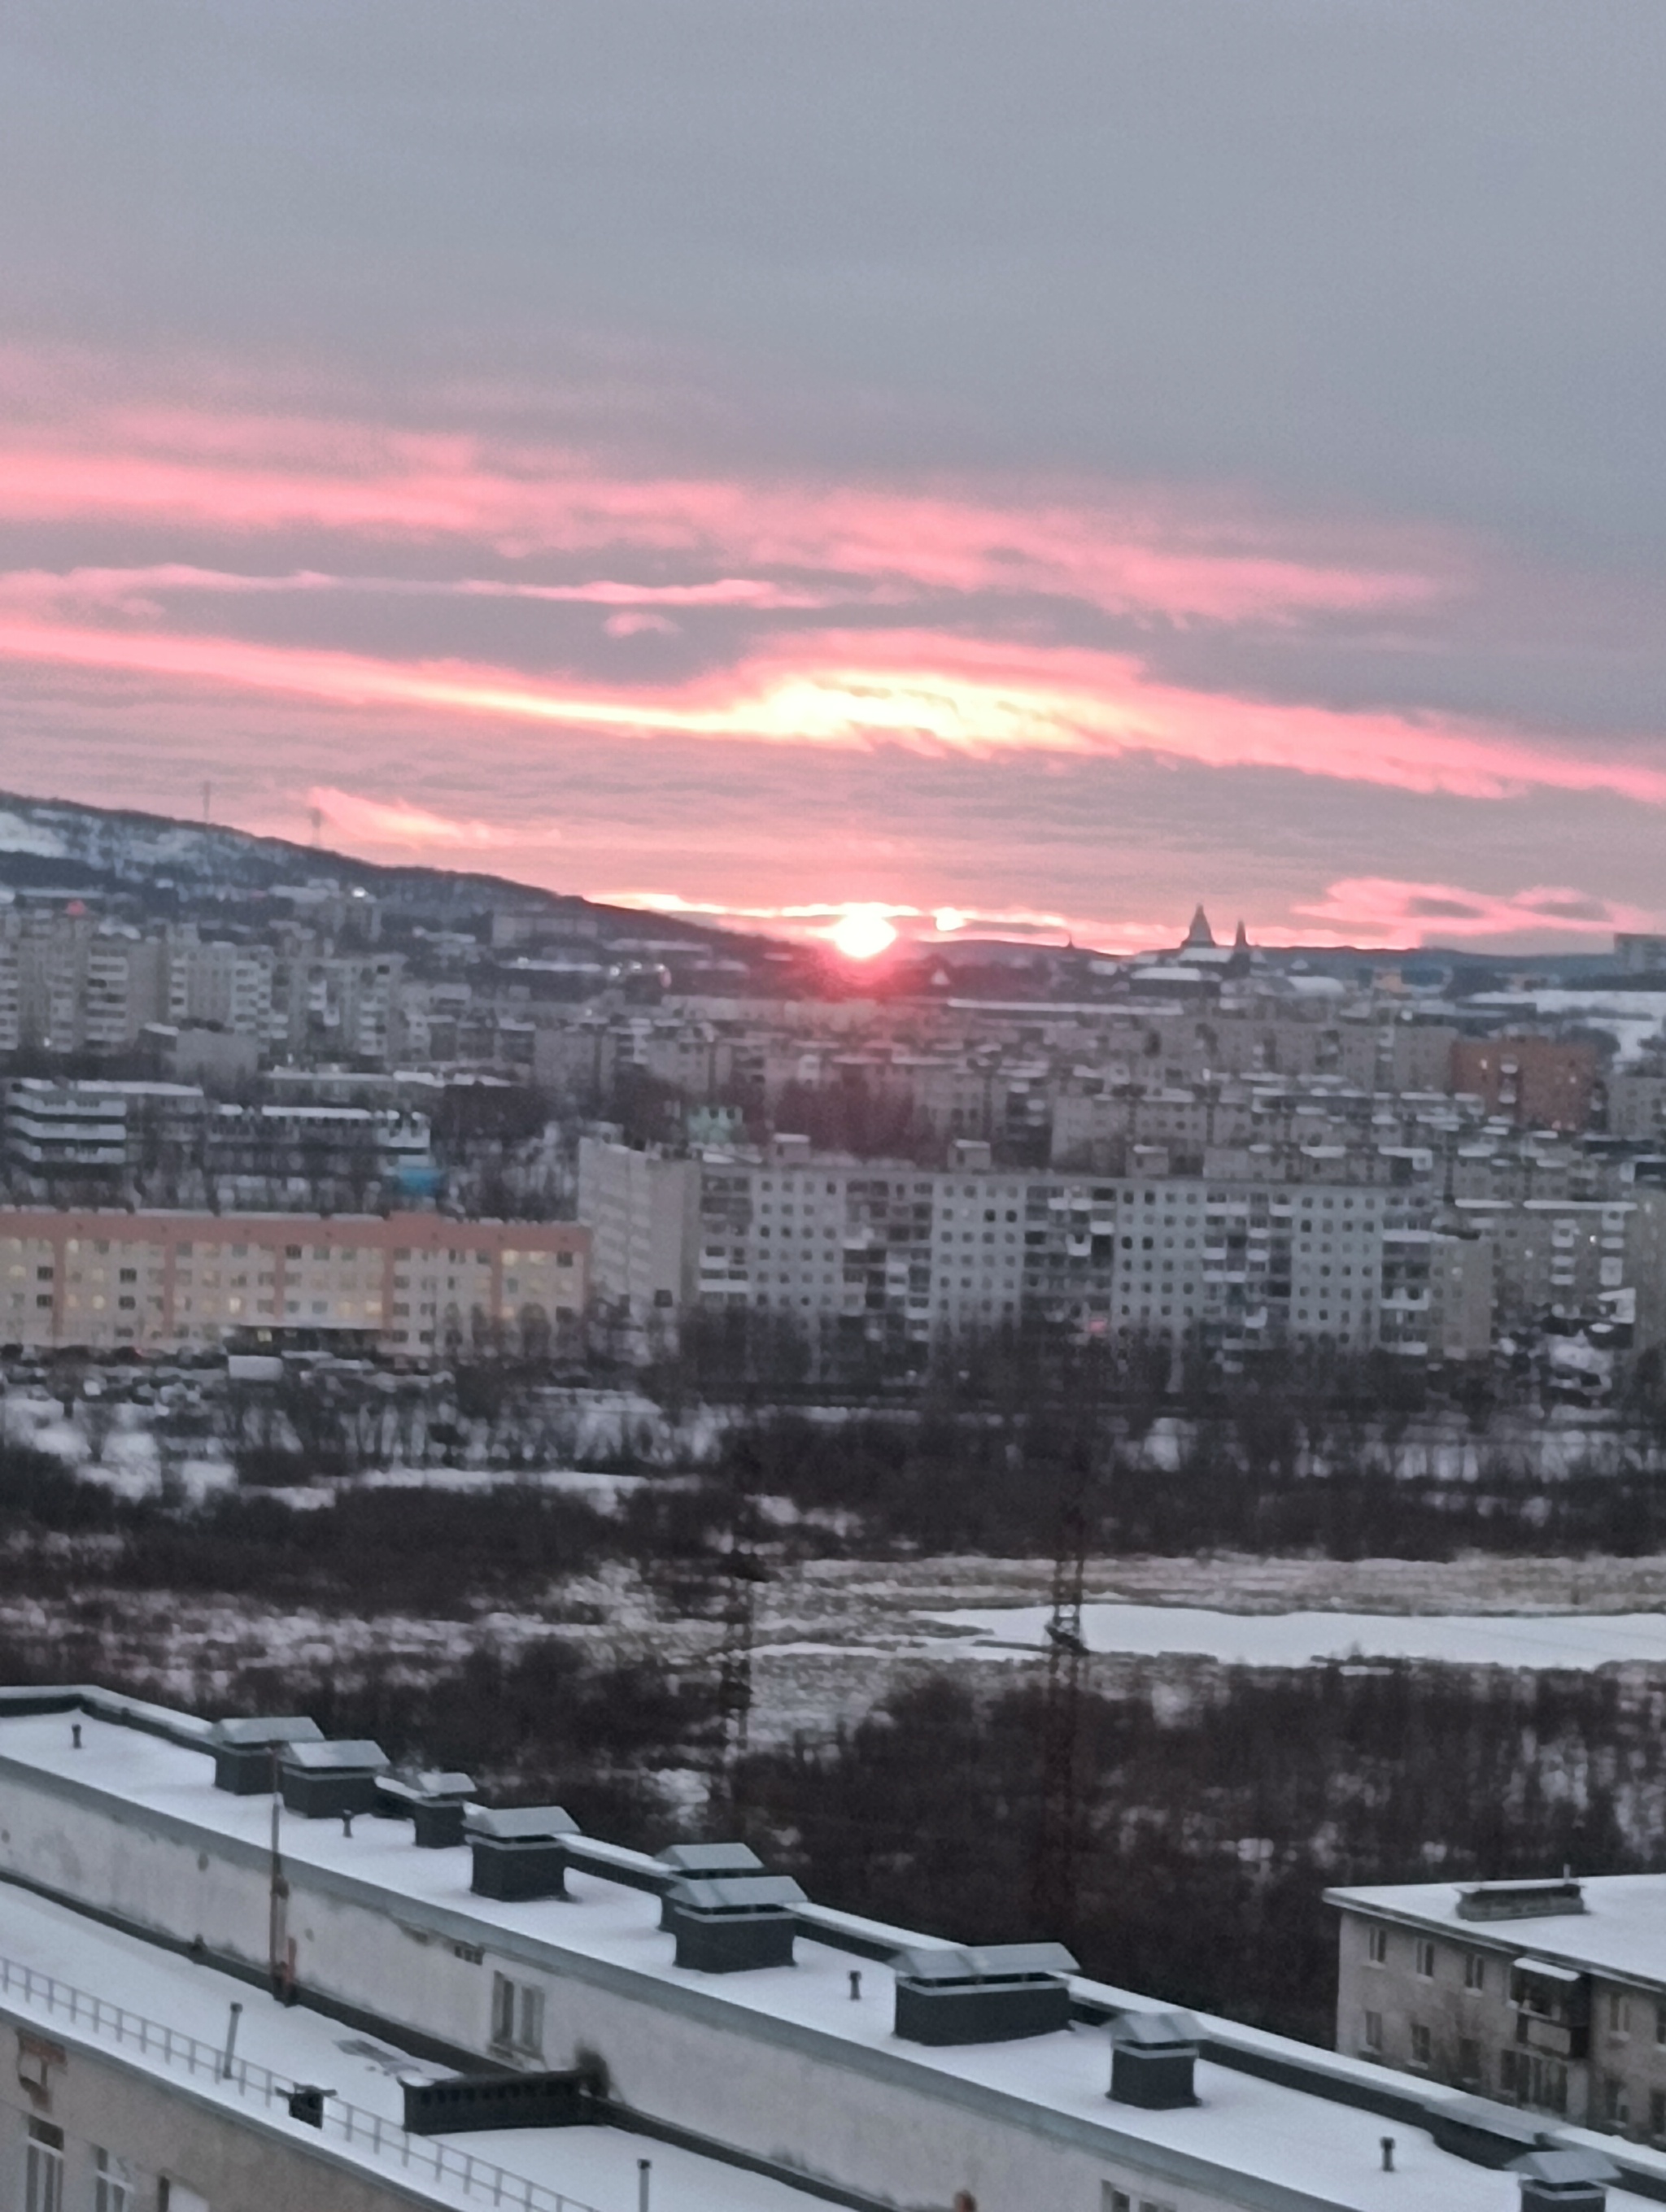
[
  {"x": 1128, "y": 552},
  {"x": 138, "y": 590},
  {"x": 1386, "y": 910},
  {"x": 918, "y": 688}
]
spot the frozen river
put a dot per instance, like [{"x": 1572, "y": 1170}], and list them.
[{"x": 1299, "y": 1639}]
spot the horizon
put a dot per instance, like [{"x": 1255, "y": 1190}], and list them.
[{"x": 904, "y": 940}]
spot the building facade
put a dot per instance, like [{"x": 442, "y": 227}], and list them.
[
  {"x": 883, "y": 1248},
  {"x": 643, "y": 1214},
  {"x": 1548, "y": 1995},
  {"x": 418, "y": 1285}
]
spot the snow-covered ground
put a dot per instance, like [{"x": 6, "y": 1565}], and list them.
[{"x": 1298, "y": 1639}]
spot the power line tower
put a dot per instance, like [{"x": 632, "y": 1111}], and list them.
[
  {"x": 1059, "y": 1829},
  {"x": 742, "y": 1575}
]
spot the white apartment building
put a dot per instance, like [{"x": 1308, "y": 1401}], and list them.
[
  {"x": 884, "y": 1248},
  {"x": 222, "y": 983},
  {"x": 643, "y": 1214},
  {"x": 11, "y": 987},
  {"x": 1602, "y": 1257}
]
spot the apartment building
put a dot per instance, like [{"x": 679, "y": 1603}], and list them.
[
  {"x": 887, "y": 1249},
  {"x": 341, "y": 1004},
  {"x": 643, "y": 1211},
  {"x": 1637, "y": 1104},
  {"x": 416, "y": 1285},
  {"x": 1600, "y": 1258},
  {"x": 1549, "y": 1995},
  {"x": 220, "y": 983},
  {"x": 1529, "y": 1078},
  {"x": 59, "y": 1131},
  {"x": 71, "y": 1139},
  {"x": 273, "y": 1973}
]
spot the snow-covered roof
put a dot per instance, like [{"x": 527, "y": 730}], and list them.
[
  {"x": 1618, "y": 1929},
  {"x": 53, "y": 1961},
  {"x": 1250, "y": 2140}
]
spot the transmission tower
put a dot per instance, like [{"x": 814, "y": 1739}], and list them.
[
  {"x": 742, "y": 1575},
  {"x": 1059, "y": 1829}
]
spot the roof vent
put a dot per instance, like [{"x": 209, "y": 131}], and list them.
[
  {"x": 433, "y": 1802},
  {"x": 518, "y": 1851},
  {"x": 243, "y": 1750},
  {"x": 727, "y": 1925},
  {"x": 1519, "y": 1900},
  {"x": 715, "y": 1862},
  {"x": 1564, "y": 2180},
  {"x": 470, "y": 2102},
  {"x": 1152, "y": 2057},
  {"x": 989, "y": 1995},
  {"x": 322, "y": 1781}
]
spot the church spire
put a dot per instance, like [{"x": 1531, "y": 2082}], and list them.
[{"x": 1199, "y": 936}]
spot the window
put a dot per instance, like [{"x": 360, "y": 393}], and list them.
[
  {"x": 1620, "y": 2012},
  {"x": 1657, "y": 2112},
  {"x": 113, "y": 2189},
  {"x": 1373, "y": 2031},
  {"x": 1425, "y": 1959},
  {"x": 1475, "y": 1971},
  {"x": 1377, "y": 1945},
  {"x": 43, "y": 2171},
  {"x": 1423, "y": 2048},
  {"x": 1616, "y": 2105},
  {"x": 1469, "y": 2060},
  {"x": 517, "y": 2015},
  {"x": 1533, "y": 2079}
]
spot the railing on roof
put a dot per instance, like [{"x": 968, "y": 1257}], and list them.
[{"x": 418, "y": 2156}]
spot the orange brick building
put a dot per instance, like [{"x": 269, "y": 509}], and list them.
[{"x": 1535, "y": 1081}]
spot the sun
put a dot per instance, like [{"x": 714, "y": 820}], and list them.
[{"x": 862, "y": 934}]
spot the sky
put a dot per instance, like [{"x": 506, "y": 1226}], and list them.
[{"x": 1019, "y": 469}]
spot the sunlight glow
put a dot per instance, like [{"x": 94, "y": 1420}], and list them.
[{"x": 863, "y": 933}]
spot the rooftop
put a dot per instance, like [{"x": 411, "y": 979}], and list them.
[
  {"x": 1618, "y": 1929},
  {"x": 53, "y": 1961},
  {"x": 1317, "y": 2149}
]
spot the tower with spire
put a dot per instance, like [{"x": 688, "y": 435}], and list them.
[{"x": 1200, "y": 937}]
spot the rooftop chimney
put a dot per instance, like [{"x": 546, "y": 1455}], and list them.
[
  {"x": 993, "y": 1995},
  {"x": 1564, "y": 2180},
  {"x": 329, "y": 1781},
  {"x": 730, "y": 1924},
  {"x": 243, "y": 1750},
  {"x": 1152, "y": 2056},
  {"x": 519, "y": 1853}
]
